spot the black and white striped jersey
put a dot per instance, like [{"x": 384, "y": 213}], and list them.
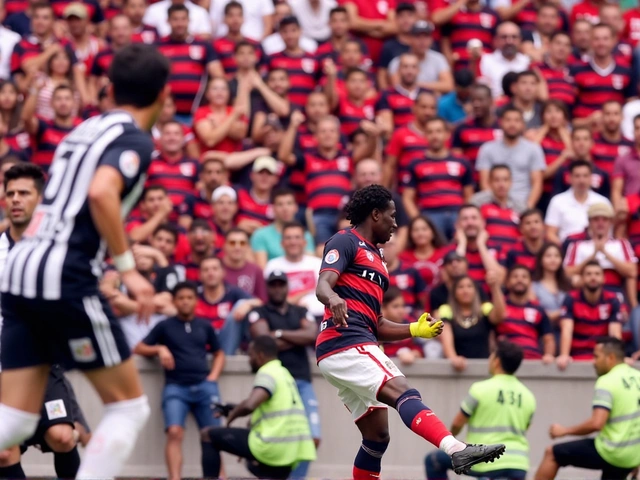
[{"x": 61, "y": 252}]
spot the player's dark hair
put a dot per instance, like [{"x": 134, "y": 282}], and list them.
[
  {"x": 438, "y": 240},
  {"x": 564, "y": 284},
  {"x": 590, "y": 263},
  {"x": 177, "y": 7},
  {"x": 25, "y": 170},
  {"x": 243, "y": 44},
  {"x": 612, "y": 345},
  {"x": 169, "y": 228},
  {"x": 354, "y": 71},
  {"x": 231, "y": 5},
  {"x": 153, "y": 188},
  {"x": 281, "y": 192},
  {"x": 200, "y": 223},
  {"x": 499, "y": 166},
  {"x": 580, "y": 163},
  {"x": 138, "y": 74},
  {"x": 517, "y": 267},
  {"x": 530, "y": 212},
  {"x": 185, "y": 286},
  {"x": 365, "y": 201},
  {"x": 236, "y": 230},
  {"x": 510, "y": 356},
  {"x": 288, "y": 20},
  {"x": 391, "y": 295},
  {"x": 510, "y": 109},
  {"x": 265, "y": 345},
  {"x": 336, "y": 10},
  {"x": 293, "y": 224}
]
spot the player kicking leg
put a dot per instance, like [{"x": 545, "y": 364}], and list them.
[
  {"x": 52, "y": 307},
  {"x": 352, "y": 281}
]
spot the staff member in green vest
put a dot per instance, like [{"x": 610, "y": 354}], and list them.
[
  {"x": 279, "y": 436},
  {"x": 498, "y": 410},
  {"x": 615, "y": 416}
]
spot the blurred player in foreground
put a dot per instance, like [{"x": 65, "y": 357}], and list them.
[
  {"x": 615, "y": 419},
  {"x": 53, "y": 310},
  {"x": 499, "y": 409},
  {"x": 352, "y": 282}
]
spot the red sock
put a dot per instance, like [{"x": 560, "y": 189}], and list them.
[
  {"x": 359, "y": 474},
  {"x": 428, "y": 426}
]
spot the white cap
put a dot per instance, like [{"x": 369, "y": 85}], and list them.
[
  {"x": 266, "y": 163},
  {"x": 223, "y": 190}
]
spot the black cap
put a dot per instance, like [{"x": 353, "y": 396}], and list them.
[
  {"x": 277, "y": 276},
  {"x": 451, "y": 256},
  {"x": 405, "y": 7},
  {"x": 422, "y": 27}
]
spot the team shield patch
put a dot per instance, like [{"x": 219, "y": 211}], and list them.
[
  {"x": 196, "y": 52},
  {"x": 332, "y": 256},
  {"x": 129, "y": 163},
  {"x": 187, "y": 169},
  {"x": 82, "y": 350},
  {"x": 617, "y": 81},
  {"x": 308, "y": 65}
]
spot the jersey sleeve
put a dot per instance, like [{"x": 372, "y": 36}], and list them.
[
  {"x": 470, "y": 403},
  {"x": 602, "y": 396},
  {"x": 130, "y": 155},
  {"x": 155, "y": 336},
  {"x": 545, "y": 324},
  {"x": 383, "y": 102},
  {"x": 338, "y": 253},
  {"x": 467, "y": 176},
  {"x": 266, "y": 382},
  {"x": 615, "y": 316},
  {"x": 566, "y": 310},
  {"x": 210, "y": 53}
]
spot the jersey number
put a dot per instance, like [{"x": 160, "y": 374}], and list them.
[
  {"x": 511, "y": 398},
  {"x": 64, "y": 155},
  {"x": 631, "y": 382},
  {"x": 373, "y": 276}
]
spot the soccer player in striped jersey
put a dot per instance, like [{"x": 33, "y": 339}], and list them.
[
  {"x": 353, "y": 279},
  {"x": 52, "y": 308}
]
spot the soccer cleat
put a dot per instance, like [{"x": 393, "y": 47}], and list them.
[{"x": 472, "y": 455}]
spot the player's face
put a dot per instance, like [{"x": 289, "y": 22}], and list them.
[
  {"x": 339, "y": 24},
  {"x": 293, "y": 242},
  {"x": 368, "y": 172},
  {"x": 470, "y": 222},
  {"x": 63, "y": 103},
  {"x": 285, "y": 208},
  {"x": 581, "y": 179},
  {"x": 234, "y": 20},
  {"x": 357, "y": 85},
  {"x": 134, "y": 9},
  {"x": 236, "y": 246},
  {"x": 593, "y": 278},
  {"x": 172, "y": 139},
  {"x": 22, "y": 198},
  {"x": 425, "y": 108},
  {"x": 211, "y": 273},
  {"x": 277, "y": 292},
  {"x": 42, "y": 21},
  {"x": 385, "y": 224},
  {"x": 600, "y": 226},
  {"x": 200, "y": 240},
  {"x": 602, "y": 42},
  {"x": 225, "y": 209},
  {"x": 165, "y": 242},
  {"x": 500, "y": 182},
  {"x": 317, "y": 107},
  {"x": 213, "y": 175},
  {"x": 394, "y": 310},
  {"x": 437, "y": 135},
  {"x": 465, "y": 292},
  {"x": 560, "y": 48},
  {"x": 185, "y": 302},
  {"x": 120, "y": 31},
  {"x": 612, "y": 117},
  {"x": 551, "y": 260},
  {"x": 179, "y": 23},
  {"x": 328, "y": 134},
  {"x": 519, "y": 281},
  {"x": 532, "y": 227},
  {"x": 290, "y": 36}
]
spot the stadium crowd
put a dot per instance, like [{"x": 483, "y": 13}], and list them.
[{"x": 507, "y": 130}]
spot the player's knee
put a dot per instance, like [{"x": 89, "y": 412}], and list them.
[
  {"x": 380, "y": 435},
  {"x": 60, "y": 438},
  {"x": 175, "y": 433}
]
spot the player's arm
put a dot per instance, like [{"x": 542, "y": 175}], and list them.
[
  {"x": 425, "y": 327},
  {"x": 458, "y": 423},
  {"x": 264, "y": 386},
  {"x": 599, "y": 417},
  {"x": 218, "y": 355},
  {"x": 329, "y": 298}
]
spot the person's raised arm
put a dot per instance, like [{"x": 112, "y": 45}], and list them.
[
  {"x": 278, "y": 105},
  {"x": 285, "y": 150},
  {"x": 257, "y": 397}
]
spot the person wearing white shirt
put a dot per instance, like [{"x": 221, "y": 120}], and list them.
[
  {"x": 314, "y": 17},
  {"x": 258, "y": 18},
  {"x": 8, "y": 40},
  {"x": 301, "y": 270},
  {"x": 157, "y": 16},
  {"x": 506, "y": 57},
  {"x": 567, "y": 212},
  {"x": 274, "y": 43}
]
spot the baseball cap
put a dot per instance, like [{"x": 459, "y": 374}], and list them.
[
  {"x": 277, "y": 276},
  {"x": 422, "y": 27},
  {"x": 75, "y": 9},
  {"x": 600, "y": 210},
  {"x": 451, "y": 256},
  {"x": 223, "y": 190},
  {"x": 265, "y": 163},
  {"x": 405, "y": 7}
]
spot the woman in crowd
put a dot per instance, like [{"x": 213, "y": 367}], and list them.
[
  {"x": 424, "y": 249},
  {"x": 59, "y": 71},
  {"x": 468, "y": 323},
  {"x": 10, "y": 111}
]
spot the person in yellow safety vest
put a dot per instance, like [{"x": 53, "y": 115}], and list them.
[
  {"x": 279, "y": 436},
  {"x": 497, "y": 410},
  {"x": 615, "y": 417}
]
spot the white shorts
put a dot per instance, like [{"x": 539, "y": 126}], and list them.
[{"x": 359, "y": 373}]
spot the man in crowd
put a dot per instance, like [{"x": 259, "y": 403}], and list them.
[
  {"x": 525, "y": 251},
  {"x": 239, "y": 271}
]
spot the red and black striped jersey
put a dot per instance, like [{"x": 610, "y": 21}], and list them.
[
  {"x": 525, "y": 325},
  {"x": 30, "y": 47},
  {"x": 604, "y": 152},
  {"x": 145, "y": 34},
  {"x": 351, "y": 115},
  {"x": 362, "y": 281},
  {"x": 303, "y": 70},
  {"x": 559, "y": 83},
  {"x": 623, "y": 54},
  {"x": 471, "y": 135},
  {"x": 178, "y": 177},
  {"x": 47, "y": 139},
  {"x": 400, "y": 103},
  {"x": 439, "y": 182},
  {"x": 596, "y": 88},
  {"x": 476, "y": 269},
  {"x": 466, "y": 25},
  {"x": 412, "y": 286},
  {"x": 327, "y": 180},
  {"x": 590, "y": 321},
  {"x": 552, "y": 148},
  {"x": 519, "y": 254},
  {"x": 94, "y": 10},
  {"x": 633, "y": 223},
  {"x": 249, "y": 208},
  {"x": 502, "y": 224},
  {"x": 102, "y": 62},
  {"x": 217, "y": 312},
  {"x": 225, "y": 48},
  {"x": 406, "y": 145},
  {"x": 15, "y": 6},
  {"x": 328, "y": 50},
  {"x": 600, "y": 181},
  {"x": 427, "y": 268},
  {"x": 20, "y": 140},
  {"x": 197, "y": 206},
  {"x": 189, "y": 60}
]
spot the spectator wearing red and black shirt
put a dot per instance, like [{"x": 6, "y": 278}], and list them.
[
  {"x": 191, "y": 60},
  {"x": 354, "y": 106},
  {"x": 134, "y": 10},
  {"x": 406, "y": 278},
  {"x": 120, "y": 33},
  {"x": 334, "y": 47},
  {"x": 372, "y": 21},
  {"x": 554, "y": 70},
  {"x": 201, "y": 239},
  {"x": 254, "y": 205},
  {"x": 482, "y": 127},
  {"x": 609, "y": 142},
  {"x": 302, "y": 68},
  {"x": 408, "y": 143},
  {"x": 94, "y": 10},
  {"x": 212, "y": 175},
  {"x": 538, "y": 24},
  {"x": 588, "y": 10},
  {"x": 611, "y": 14},
  {"x": 601, "y": 79},
  {"x": 47, "y": 134},
  {"x": 351, "y": 57},
  {"x": 425, "y": 249},
  {"x": 394, "y": 107},
  {"x": 526, "y": 323},
  {"x": 527, "y": 249},
  {"x": 587, "y": 314},
  {"x": 406, "y": 16},
  {"x": 439, "y": 183},
  {"x": 171, "y": 169}
]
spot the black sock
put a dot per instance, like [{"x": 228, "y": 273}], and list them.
[
  {"x": 67, "y": 464},
  {"x": 12, "y": 471},
  {"x": 210, "y": 461}
]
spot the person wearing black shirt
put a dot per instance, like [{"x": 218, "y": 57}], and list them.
[
  {"x": 294, "y": 329},
  {"x": 182, "y": 343},
  {"x": 453, "y": 266}
]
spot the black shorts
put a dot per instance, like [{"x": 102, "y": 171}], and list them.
[
  {"x": 58, "y": 408},
  {"x": 583, "y": 454},
  {"x": 78, "y": 333}
]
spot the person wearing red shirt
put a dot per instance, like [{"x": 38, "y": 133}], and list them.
[
  {"x": 588, "y": 10},
  {"x": 425, "y": 249},
  {"x": 631, "y": 32},
  {"x": 85, "y": 45},
  {"x": 409, "y": 142},
  {"x": 554, "y": 70},
  {"x": 201, "y": 238},
  {"x": 134, "y": 10},
  {"x": 525, "y": 251},
  {"x": 168, "y": 114},
  {"x": 120, "y": 33},
  {"x": 254, "y": 205},
  {"x": 609, "y": 143},
  {"x": 334, "y": 46},
  {"x": 611, "y": 14},
  {"x": 372, "y": 21},
  {"x": 537, "y": 34},
  {"x": 354, "y": 106}
]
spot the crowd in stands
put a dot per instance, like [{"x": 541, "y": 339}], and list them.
[{"x": 507, "y": 130}]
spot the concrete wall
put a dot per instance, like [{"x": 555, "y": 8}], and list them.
[{"x": 562, "y": 397}]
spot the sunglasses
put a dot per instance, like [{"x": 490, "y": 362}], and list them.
[{"x": 237, "y": 243}]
